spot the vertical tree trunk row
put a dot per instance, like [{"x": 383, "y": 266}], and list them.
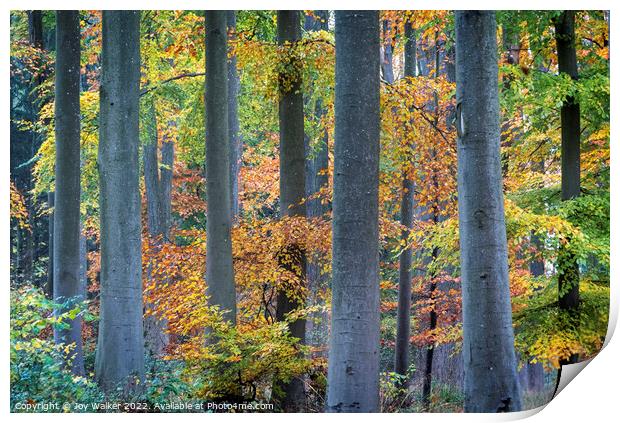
[
  {"x": 491, "y": 383},
  {"x": 120, "y": 346},
  {"x": 353, "y": 374}
]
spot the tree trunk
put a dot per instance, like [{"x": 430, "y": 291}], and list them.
[
  {"x": 49, "y": 289},
  {"x": 66, "y": 251},
  {"x": 158, "y": 220},
  {"x": 35, "y": 28},
  {"x": 353, "y": 376},
  {"x": 568, "y": 269},
  {"x": 165, "y": 186},
  {"x": 292, "y": 187},
  {"x": 220, "y": 277},
  {"x": 387, "y": 69},
  {"x": 433, "y": 215},
  {"x": 317, "y": 162},
  {"x": 151, "y": 175},
  {"x": 403, "y": 319},
  {"x": 491, "y": 383},
  {"x": 27, "y": 261},
  {"x": 120, "y": 346},
  {"x": 236, "y": 146}
]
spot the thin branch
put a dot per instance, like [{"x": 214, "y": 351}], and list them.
[{"x": 148, "y": 89}]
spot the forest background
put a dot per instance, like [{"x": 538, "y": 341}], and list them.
[{"x": 388, "y": 287}]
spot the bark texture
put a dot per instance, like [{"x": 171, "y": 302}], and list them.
[
  {"x": 292, "y": 186},
  {"x": 120, "y": 346},
  {"x": 236, "y": 146},
  {"x": 220, "y": 277},
  {"x": 491, "y": 383},
  {"x": 403, "y": 318},
  {"x": 353, "y": 375},
  {"x": 317, "y": 161},
  {"x": 158, "y": 185},
  {"x": 568, "y": 275},
  {"x": 66, "y": 227}
]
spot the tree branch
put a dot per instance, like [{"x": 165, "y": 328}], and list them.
[{"x": 148, "y": 89}]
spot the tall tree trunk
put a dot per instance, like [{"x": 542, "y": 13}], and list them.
[
  {"x": 157, "y": 184},
  {"x": 568, "y": 269},
  {"x": 317, "y": 162},
  {"x": 151, "y": 175},
  {"x": 403, "y": 318},
  {"x": 49, "y": 289},
  {"x": 236, "y": 146},
  {"x": 434, "y": 217},
  {"x": 220, "y": 277},
  {"x": 491, "y": 383},
  {"x": 353, "y": 375},
  {"x": 66, "y": 251},
  {"x": 26, "y": 263},
  {"x": 120, "y": 346},
  {"x": 292, "y": 187}
]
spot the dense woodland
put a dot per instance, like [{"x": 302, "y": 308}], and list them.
[{"x": 349, "y": 211}]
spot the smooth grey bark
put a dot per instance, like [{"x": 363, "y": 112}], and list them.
[
  {"x": 403, "y": 312},
  {"x": 157, "y": 181},
  {"x": 151, "y": 176},
  {"x": 66, "y": 249},
  {"x": 317, "y": 162},
  {"x": 532, "y": 377},
  {"x": 120, "y": 346},
  {"x": 165, "y": 186},
  {"x": 491, "y": 383},
  {"x": 353, "y": 374},
  {"x": 568, "y": 269},
  {"x": 236, "y": 146},
  {"x": 220, "y": 277},
  {"x": 387, "y": 68},
  {"x": 292, "y": 188}
]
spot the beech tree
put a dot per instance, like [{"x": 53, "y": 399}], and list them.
[
  {"x": 292, "y": 182},
  {"x": 220, "y": 277},
  {"x": 236, "y": 146},
  {"x": 353, "y": 373},
  {"x": 568, "y": 269},
  {"x": 120, "y": 346},
  {"x": 158, "y": 188},
  {"x": 491, "y": 383},
  {"x": 66, "y": 227},
  {"x": 317, "y": 179},
  {"x": 403, "y": 318},
  {"x": 364, "y": 120}
]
